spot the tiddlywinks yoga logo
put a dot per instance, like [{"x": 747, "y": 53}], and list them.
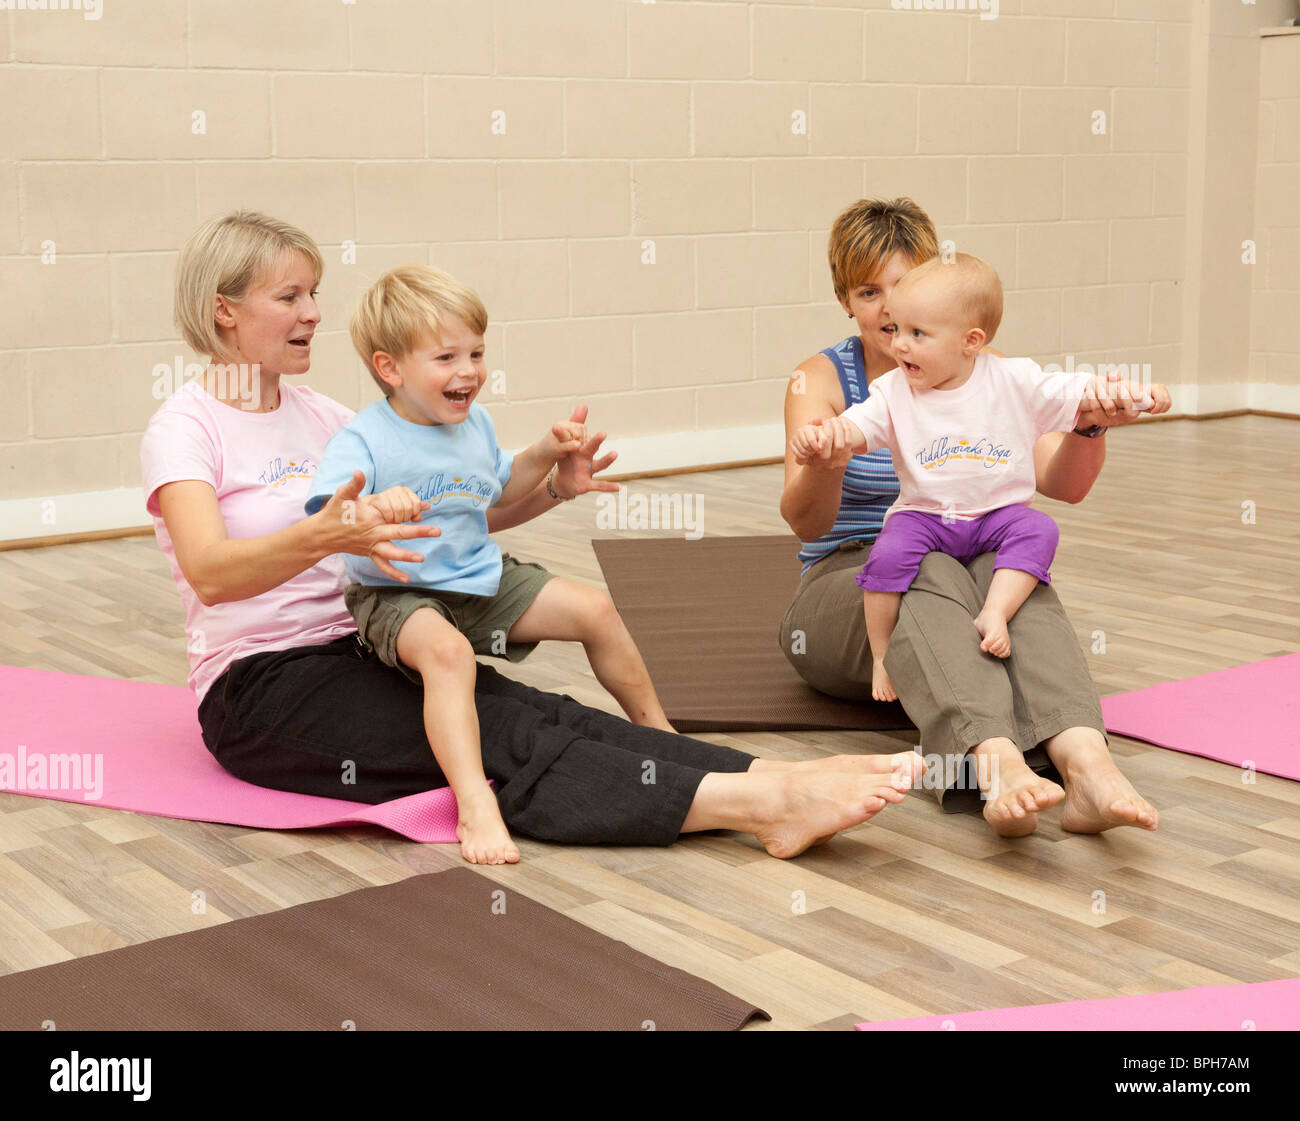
[
  {"x": 985, "y": 451},
  {"x": 455, "y": 486}
]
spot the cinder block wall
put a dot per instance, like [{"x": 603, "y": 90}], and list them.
[
  {"x": 547, "y": 151},
  {"x": 1275, "y": 304}
]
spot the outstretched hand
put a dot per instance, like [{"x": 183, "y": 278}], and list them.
[
  {"x": 825, "y": 443},
  {"x": 360, "y": 524},
  {"x": 575, "y": 474},
  {"x": 1111, "y": 401}
]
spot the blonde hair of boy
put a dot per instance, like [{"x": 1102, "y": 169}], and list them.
[
  {"x": 403, "y": 304},
  {"x": 973, "y": 283},
  {"x": 871, "y": 231},
  {"x": 227, "y": 256}
]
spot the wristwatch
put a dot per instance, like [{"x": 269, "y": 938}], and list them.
[
  {"x": 1091, "y": 432},
  {"x": 550, "y": 489}
]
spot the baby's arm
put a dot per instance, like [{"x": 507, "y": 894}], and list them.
[{"x": 531, "y": 464}]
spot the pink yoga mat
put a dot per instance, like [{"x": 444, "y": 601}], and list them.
[
  {"x": 134, "y": 746},
  {"x": 1268, "y": 1006},
  {"x": 1250, "y": 713}
]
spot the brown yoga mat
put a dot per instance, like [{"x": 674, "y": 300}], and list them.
[
  {"x": 706, "y": 616},
  {"x": 452, "y": 950}
]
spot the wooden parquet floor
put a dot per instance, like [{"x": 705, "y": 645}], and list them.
[{"x": 916, "y": 912}]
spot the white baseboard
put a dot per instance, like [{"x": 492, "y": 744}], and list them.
[
  {"x": 60, "y": 514},
  {"x": 1273, "y": 398},
  {"x": 124, "y": 508},
  {"x": 696, "y": 449}
]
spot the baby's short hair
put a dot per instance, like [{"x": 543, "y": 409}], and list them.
[
  {"x": 973, "y": 282},
  {"x": 871, "y": 231},
  {"x": 226, "y": 256},
  {"x": 404, "y": 303}
]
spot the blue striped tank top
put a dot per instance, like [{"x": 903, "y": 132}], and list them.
[{"x": 870, "y": 484}]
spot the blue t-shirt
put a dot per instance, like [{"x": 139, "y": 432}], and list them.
[{"x": 459, "y": 469}]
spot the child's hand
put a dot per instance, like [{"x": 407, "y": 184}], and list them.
[
  {"x": 565, "y": 437},
  {"x": 398, "y": 504},
  {"x": 843, "y": 432},
  {"x": 807, "y": 442},
  {"x": 1118, "y": 400}
]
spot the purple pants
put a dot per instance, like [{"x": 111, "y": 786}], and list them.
[{"x": 1022, "y": 537}]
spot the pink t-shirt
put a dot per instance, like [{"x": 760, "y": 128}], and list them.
[
  {"x": 260, "y": 465},
  {"x": 969, "y": 450}
]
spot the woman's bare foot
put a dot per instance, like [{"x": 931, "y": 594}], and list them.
[
  {"x": 1103, "y": 800},
  {"x": 788, "y": 811},
  {"x": 993, "y": 627},
  {"x": 1013, "y": 794},
  {"x": 809, "y": 809},
  {"x": 1097, "y": 795},
  {"x": 905, "y": 767},
  {"x": 482, "y": 833},
  {"x": 882, "y": 689}
]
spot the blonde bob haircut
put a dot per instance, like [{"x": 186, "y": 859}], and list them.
[
  {"x": 871, "y": 231},
  {"x": 402, "y": 305},
  {"x": 227, "y": 256},
  {"x": 972, "y": 283}
]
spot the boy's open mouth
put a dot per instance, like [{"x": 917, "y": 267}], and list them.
[
  {"x": 458, "y": 396},
  {"x": 911, "y": 367}
]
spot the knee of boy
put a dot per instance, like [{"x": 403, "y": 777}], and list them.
[{"x": 445, "y": 652}]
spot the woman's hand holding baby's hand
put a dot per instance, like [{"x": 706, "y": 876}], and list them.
[
  {"x": 1111, "y": 401},
  {"x": 356, "y": 524},
  {"x": 807, "y": 442},
  {"x": 397, "y": 504},
  {"x": 825, "y": 443}
]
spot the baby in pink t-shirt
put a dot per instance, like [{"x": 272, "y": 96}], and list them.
[{"x": 961, "y": 426}]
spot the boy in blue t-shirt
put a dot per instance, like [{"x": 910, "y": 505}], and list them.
[{"x": 428, "y": 446}]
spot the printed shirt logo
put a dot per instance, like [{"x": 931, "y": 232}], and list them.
[
  {"x": 457, "y": 486},
  {"x": 277, "y": 472},
  {"x": 989, "y": 453}
]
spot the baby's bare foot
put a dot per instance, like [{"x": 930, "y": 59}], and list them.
[
  {"x": 882, "y": 689},
  {"x": 994, "y": 629},
  {"x": 482, "y": 833},
  {"x": 808, "y": 809},
  {"x": 1103, "y": 800}
]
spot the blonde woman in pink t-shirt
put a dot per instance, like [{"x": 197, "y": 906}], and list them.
[{"x": 289, "y": 699}]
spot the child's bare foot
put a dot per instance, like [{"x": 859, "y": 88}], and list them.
[
  {"x": 808, "y": 809},
  {"x": 882, "y": 689},
  {"x": 1013, "y": 794},
  {"x": 994, "y": 629},
  {"x": 482, "y": 833},
  {"x": 1102, "y": 800}
]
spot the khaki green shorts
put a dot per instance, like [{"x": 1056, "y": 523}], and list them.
[{"x": 381, "y": 610}]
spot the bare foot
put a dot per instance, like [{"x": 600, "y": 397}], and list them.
[
  {"x": 808, "y": 809},
  {"x": 482, "y": 833},
  {"x": 1104, "y": 799},
  {"x": 1013, "y": 794},
  {"x": 994, "y": 629},
  {"x": 1014, "y": 810},
  {"x": 905, "y": 767},
  {"x": 882, "y": 689}
]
